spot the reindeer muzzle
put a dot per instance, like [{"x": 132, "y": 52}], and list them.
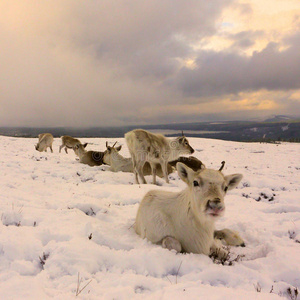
[{"x": 214, "y": 208}]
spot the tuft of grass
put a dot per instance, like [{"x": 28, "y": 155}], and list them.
[
  {"x": 257, "y": 287},
  {"x": 43, "y": 259},
  {"x": 78, "y": 289},
  {"x": 226, "y": 260},
  {"x": 292, "y": 293}
]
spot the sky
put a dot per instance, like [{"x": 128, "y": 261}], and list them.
[{"x": 116, "y": 63}]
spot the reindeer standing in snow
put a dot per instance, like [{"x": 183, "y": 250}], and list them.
[
  {"x": 156, "y": 149},
  {"x": 69, "y": 143},
  {"x": 45, "y": 141},
  {"x": 185, "y": 221},
  {"x": 117, "y": 162}
]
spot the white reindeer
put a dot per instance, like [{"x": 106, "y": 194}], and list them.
[
  {"x": 69, "y": 142},
  {"x": 117, "y": 162},
  {"x": 45, "y": 141},
  {"x": 156, "y": 149},
  {"x": 184, "y": 221},
  {"x": 91, "y": 158}
]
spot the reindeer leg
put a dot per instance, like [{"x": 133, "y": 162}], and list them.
[
  {"x": 66, "y": 149},
  {"x": 164, "y": 167},
  {"x": 60, "y": 147},
  {"x": 217, "y": 250},
  {"x": 231, "y": 237},
  {"x": 51, "y": 149},
  {"x": 134, "y": 168},
  {"x": 153, "y": 168},
  {"x": 171, "y": 243},
  {"x": 139, "y": 168}
]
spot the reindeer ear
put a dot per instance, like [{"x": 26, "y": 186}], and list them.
[
  {"x": 119, "y": 148},
  {"x": 184, "y": 172},
  {"x": 108, "y": 149},
  {"x": 84, "y": 145},
  {"x": 233, "y": 180}
]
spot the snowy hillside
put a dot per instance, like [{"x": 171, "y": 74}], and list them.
[{"x": 62, "y": 220}]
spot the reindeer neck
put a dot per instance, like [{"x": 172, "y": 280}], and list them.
[
  {"x": 194, "y": 214},
  {"x": 119, "y": 162},
  {"x": 81, "y": 152}
]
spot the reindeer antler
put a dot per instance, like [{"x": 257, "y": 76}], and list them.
[
  {"x": 182, "y": 132},
  {"x": 106, "y": 144},
  {"x": 114, "y": 144},
  {"x": 222, "y": 166}
]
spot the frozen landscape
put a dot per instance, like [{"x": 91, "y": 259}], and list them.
[{"x": 66, "y": 228}]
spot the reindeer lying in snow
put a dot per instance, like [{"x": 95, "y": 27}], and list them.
[
  {"x": 119, "y": 163},
  {"x": 192, "y": 162},
  {"x": 45, "y": 141},
  {"x": 184, "y": 221},
  {"x": 69, "y": 142},
  {"x": 91, "y": 158}
]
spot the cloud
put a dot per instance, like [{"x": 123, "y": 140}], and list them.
[
  {"x": 97, "y": 63},
  {"x": 223, "y": 73}
]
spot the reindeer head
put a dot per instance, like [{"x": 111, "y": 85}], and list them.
[
  {"x": 182, "y": 145},
  {"x": 79, "y": 149},
  {"x": 111, "y": 153},
  {"x": 207, "y": 188},
  {"x": 38, "y": 148}
]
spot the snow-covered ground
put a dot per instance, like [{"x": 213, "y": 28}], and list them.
[{"x": 62, "y": 221}]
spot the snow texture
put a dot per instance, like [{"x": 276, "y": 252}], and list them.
[{"x": 66, "y": 228}]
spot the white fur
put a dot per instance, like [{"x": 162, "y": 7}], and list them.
[{"x": 187, "y": 217}]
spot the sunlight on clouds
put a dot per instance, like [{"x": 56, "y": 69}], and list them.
[
  {"x": 187, "y": 62},
  {"x": 250, "y": 104},
  {"x": 295, "y": 96},
  {"x": 256, "y": 102},
  {"x": 275, "y": 19}
]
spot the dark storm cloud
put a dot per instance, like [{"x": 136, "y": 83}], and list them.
[
  {"x": 91, "y": 63},
  {"x": 245, "y": 39},
  {"x": 221, "y": 73},
  {"x": 145, "y": 38}
]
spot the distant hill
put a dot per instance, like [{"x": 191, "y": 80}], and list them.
[
  {"x": 278, "y": 128},
  {"x": 282, "y": 118}
]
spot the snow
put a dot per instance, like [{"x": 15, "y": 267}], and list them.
[{"x": 62, "y": 221}]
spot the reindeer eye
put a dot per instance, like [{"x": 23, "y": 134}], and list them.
[{"x": 196, "y": 183}]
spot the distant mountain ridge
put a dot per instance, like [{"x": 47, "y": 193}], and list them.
[
  {"x": 282, "y": 118},
  {"x": 278, "y": 128}
]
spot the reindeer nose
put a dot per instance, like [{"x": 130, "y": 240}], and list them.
[{"x": 215, "y": 203}]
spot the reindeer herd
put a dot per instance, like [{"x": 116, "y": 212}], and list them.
[{"x": 183, "y": 221}]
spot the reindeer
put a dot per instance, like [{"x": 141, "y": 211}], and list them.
[
  {"x": 155, "y": 149},
  {"x": 185, "y": 221},
  {"x": 192, "y": 162},
  {"x": 91, "y": 158},
  {"x": 69, "y": 142},
  {"x": 45, "y": 141},
  {"x": 119, "y": 163}
]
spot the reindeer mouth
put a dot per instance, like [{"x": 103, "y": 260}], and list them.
[{"x": 213, "y": 210}]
